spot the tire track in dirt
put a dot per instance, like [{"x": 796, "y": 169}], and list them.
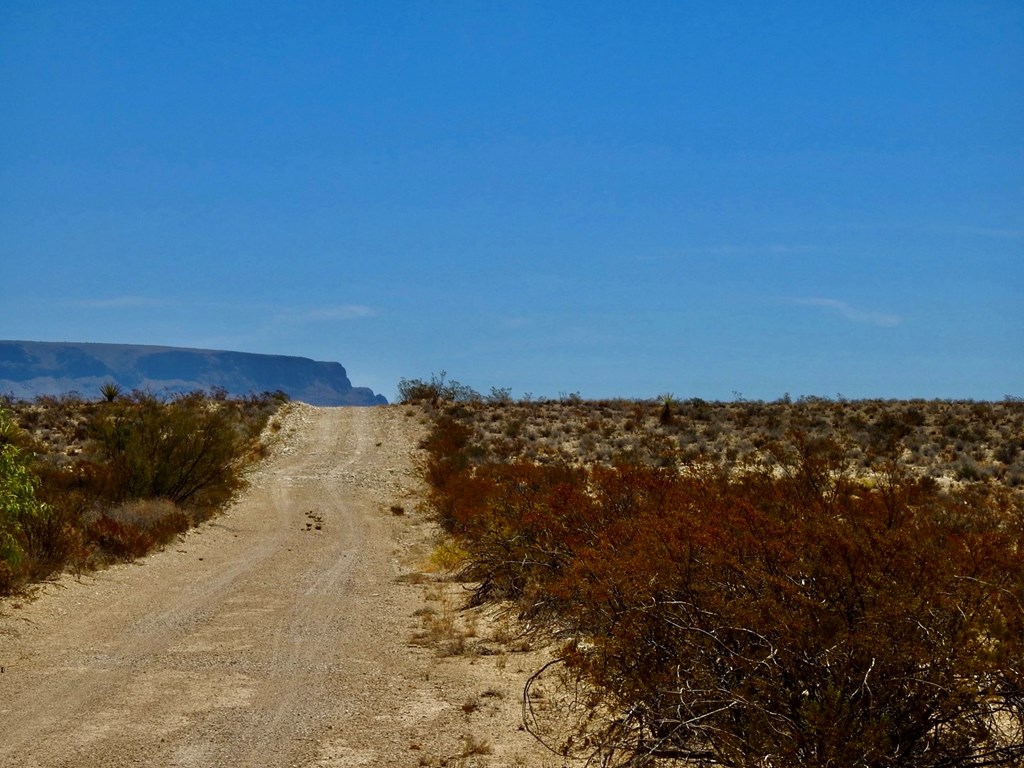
[{"x": 259, "y": 639}]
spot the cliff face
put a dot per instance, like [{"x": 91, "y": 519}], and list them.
[{"x": 32, "y": 368}]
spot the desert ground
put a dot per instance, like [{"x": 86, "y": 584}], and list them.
[{"x": 308, "y": 625}]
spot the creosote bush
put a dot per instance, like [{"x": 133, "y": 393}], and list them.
[
  {"x": 188, "y": 450},
  {"x": 786, "y": 610},
  {"x": 18, "y": 503},
  {"x": 441, "y": 389},
  {"x": 958, "y": 440},
  {"x": 111, "y": 480}
]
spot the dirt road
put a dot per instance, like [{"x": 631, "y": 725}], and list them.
[{"x": 278, "y": 635}]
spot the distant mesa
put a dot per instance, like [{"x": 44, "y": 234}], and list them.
[{"x": 32, "y": 368}]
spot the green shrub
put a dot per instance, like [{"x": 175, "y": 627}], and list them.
[
  {"x": 190, "y": 450},
  {"x": 18, "y": 503},
  {"x": 112, "y": 479}
]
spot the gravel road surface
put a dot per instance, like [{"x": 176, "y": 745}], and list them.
[{"x": 277, "y": 635}]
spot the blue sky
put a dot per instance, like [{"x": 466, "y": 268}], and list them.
[{"x": 617, "y": 199}]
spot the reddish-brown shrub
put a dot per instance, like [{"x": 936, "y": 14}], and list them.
[
  {"x": 52, "y": 540},
  {"x": 177, "y": 460},
  {"x": 118, "y": 541},
  {"x": 8, "y": 580},
  {"x": 787, "y": 613},
  {"x": 160, "y": 519},
  {"x": 767, "y": 621}
]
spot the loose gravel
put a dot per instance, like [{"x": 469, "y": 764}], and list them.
[{"x": 277, "y": 635}]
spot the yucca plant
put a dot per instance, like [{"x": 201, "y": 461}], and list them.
[{"x": 111, "y": 390}]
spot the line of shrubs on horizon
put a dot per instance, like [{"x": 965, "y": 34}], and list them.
[
  {"x": 949, "y": 440},
  {"x": 87, "y": 482},
  {"x": 810, "y": 603}
]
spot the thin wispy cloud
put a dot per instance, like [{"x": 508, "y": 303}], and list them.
[
  {"x": 768, "y": 249},
  {"x": 994, "y": 233},
  {"x": 515, "y": 322},
  {"x": 281, "y": 314},
  {"x": 117, "y": 302},
  {"x": 852, "y": 313},
  {"x": 319, "y": 314}
]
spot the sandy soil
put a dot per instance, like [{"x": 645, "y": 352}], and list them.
[{"x": 291, "y": 631}]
